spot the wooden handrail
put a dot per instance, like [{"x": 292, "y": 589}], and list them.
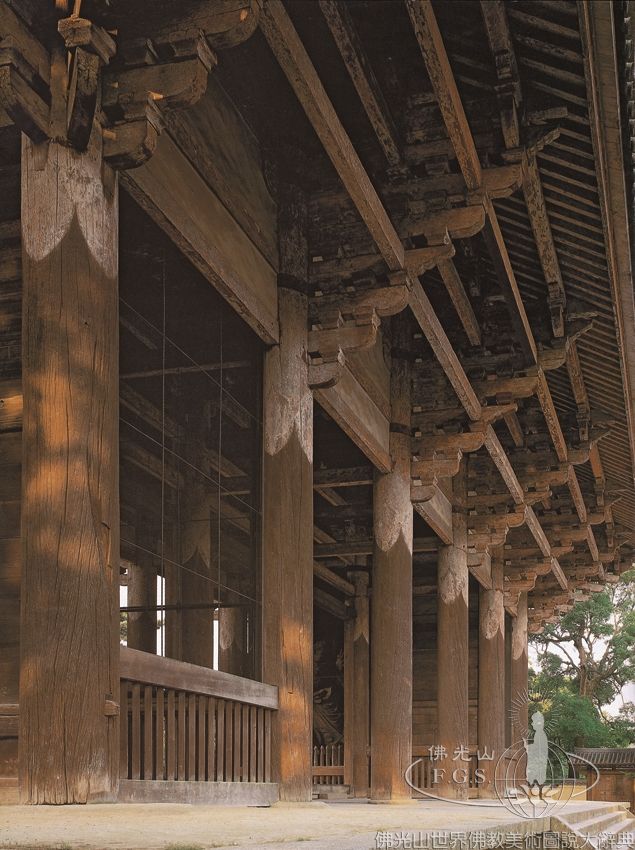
[{"x": 144, "y": 667}]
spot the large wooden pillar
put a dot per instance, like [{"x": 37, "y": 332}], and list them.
[
  {"x": 357, "y": 689},
  {"x": 453, "y": 646},
  {"x": 519, "y": 674},
  {"x": 69, "y": 678},
  {"x": 391, "y": 614},
  {"x": 288, "y": 515},
  {"x": 197, "y": 588},
  {"x": 142, "y": 593},
  {"x": 491, "y": 676}
]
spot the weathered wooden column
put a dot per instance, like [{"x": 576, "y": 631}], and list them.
[
  {"x": 288, "y": 515},
  {"x": 197, "y": 588},
  {"x": 142, "y": 593},
  {"x": 69, "y": 678},
  {"x": 519, "y": 673},
  {"x": 491, "y": 675},
  {"x": 233, "y": 656},
  {"x": 453, "y": 646},
  {"x": 357, "y": 689},
  {"x": 391, "y": 613}
]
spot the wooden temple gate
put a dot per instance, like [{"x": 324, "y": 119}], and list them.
[{"x": 317, "y": 359}]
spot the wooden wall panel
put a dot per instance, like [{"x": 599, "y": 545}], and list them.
[
  {"x": 221, "y": 146},
  {"x": 175, "y": 195}
]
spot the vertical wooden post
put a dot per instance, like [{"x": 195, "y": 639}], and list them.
[
  {"x": 69, "y": 678},
  {"x": 453, "y": 645},
  {"x": 196, "y": 585},
  {"x": 519, "y": 674},
  {"x": 491, "y": 675},
  {"x": 232, "y": 641},
  {"x": 288, "y": 517},
  {"x": 391, "y": 613},
  {"x": 357, "y": 690},
  {"x": 142, "y": 591}
]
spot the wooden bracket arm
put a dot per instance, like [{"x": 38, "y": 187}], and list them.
[
  {"x": 467, "y": 441},
  {"x": 431, "y": 467},
  {"x": 25, "y": 68},
  {"x": 327, "y": 347},
  {"x": 420, "y": 260},
  {"x": 91, "y": 48},
  {"x": 385, "y": 301},
  {"x": 133, "y": 100},
  {"x": 458, "y": 222}
]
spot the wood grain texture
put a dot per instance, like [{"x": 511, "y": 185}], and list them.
[
  {"x": 491, "y": 674},
  {"x": 288, "y": 548},
  {"x": 453, "y": 639},
  {"x": 305, "y": 81},
  {"x": 179, "y": 675},
  {"x": 355, "y": 412},
  {"x": 519, "y": 676},
  {"x": 430, "y": 42},
  {"x": 357, "y": 699},
  {"x": 174, "y": 194},
  {"x": 70, "y": 521},
  {"x": 391, "y": 616},
  {"x": 222, "y": 147}
]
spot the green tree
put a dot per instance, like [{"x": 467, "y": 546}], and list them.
[
  {"x": 584, "y": 661},
  {"x": 593, "y": 646}
]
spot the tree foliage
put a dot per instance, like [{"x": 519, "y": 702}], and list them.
[{"x": 584, "y": 661}]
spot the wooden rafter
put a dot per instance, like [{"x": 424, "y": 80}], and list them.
[
  {"x": 441, "y": 76},
  {"x": 297, "y": 66},
  {"x": 359, "y": 70},
  {"x": 497, "y": 27}
]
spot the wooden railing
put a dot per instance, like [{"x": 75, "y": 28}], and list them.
[
  {"x": 328, "y": 764},
  {"x": 423, "y": 773},
  {"x": 183, "y": 722}
]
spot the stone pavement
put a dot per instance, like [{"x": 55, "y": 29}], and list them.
[{"x": 311, "y": 826}]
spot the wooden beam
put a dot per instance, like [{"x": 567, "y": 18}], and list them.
[
  {"x": 543, "y": 237},
  {"x": 545, "y": 547},
  {"x": 600, "y": 63},
  {"x": 356, "y": 413},
  {"x": 328, "y": 576},
  {"x": 329, "y": 603},
  {"x": 296, "y": 64},
  {"x": 347, "y": 477},
  {"x": 437, "y": 64},
  {"x": 150, "y": 669},
  {"x": 508, "y": 91},
  {"x": 174, "y": 194},
  {"x": 305, "y": 81},
  {"x": 458, "y": 296},
  {"x": 437, "y": 512},
  {"x": 362, "y": 76},
  {"x": 495, "y": 17},
  {"x": 509, "y": 285},
  {"x": 509, "y": 98},
  {"x": 441, "y": 76},
  {"x": 501, "y": 461},
  {"x": 442, "y": 347}
]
